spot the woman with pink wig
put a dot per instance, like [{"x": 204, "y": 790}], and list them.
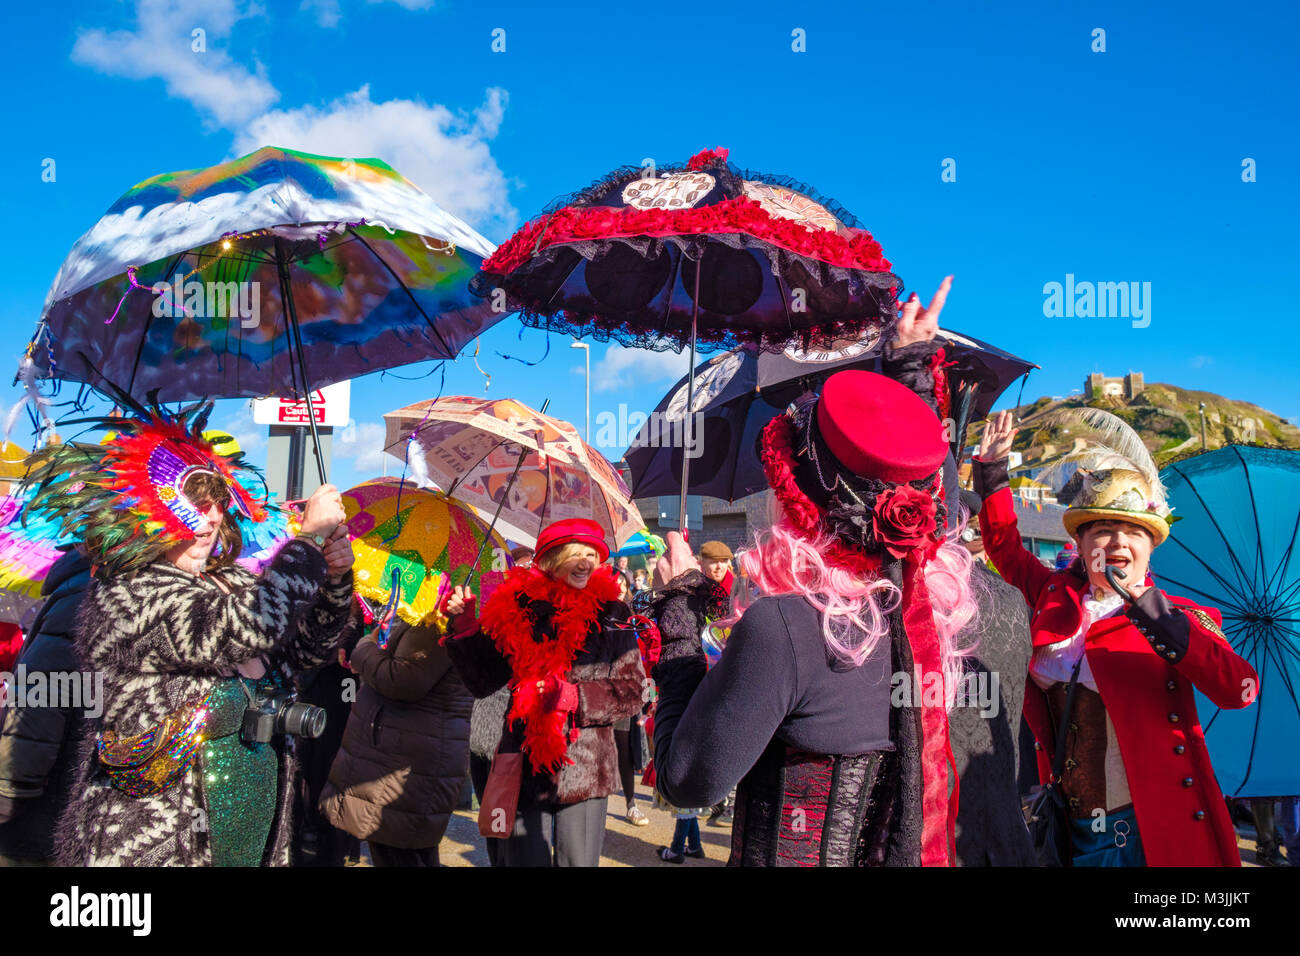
[{"x": 830, "y": 701}]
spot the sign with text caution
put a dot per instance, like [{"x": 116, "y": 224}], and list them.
[{"x": 329, "y": 403}]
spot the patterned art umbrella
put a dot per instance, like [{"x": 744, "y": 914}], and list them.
[
  {"x": 429, "y": 540},
  {"x": 272, "y": 274},
  {"x": 471, "y": 449},
  {"x": 1235, "y": 548}
]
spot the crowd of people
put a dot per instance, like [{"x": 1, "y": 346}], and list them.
[{"x": 848, "y": 690}]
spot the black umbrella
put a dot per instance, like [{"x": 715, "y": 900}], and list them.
[{"x": 737, "y": 393}]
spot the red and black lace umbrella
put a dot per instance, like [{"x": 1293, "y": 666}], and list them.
[
  {"x": 704, "y": 254},
  {"x": 643, "y": 257}
]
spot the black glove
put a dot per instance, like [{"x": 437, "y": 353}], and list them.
[
  {"x": 989, "y": 477},
  {"x": 910, "y": 366},
  {"x": 1165, "y": 627},
  {"x": 681, "y": 610}
]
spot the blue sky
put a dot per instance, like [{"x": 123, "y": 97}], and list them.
[{"x": 1116, "y": 166}]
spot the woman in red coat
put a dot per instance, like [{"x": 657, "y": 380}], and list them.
[{"x": 1138, "y": 782}]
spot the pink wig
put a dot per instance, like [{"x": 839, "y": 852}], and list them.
[{"x": 855, "y": 607}]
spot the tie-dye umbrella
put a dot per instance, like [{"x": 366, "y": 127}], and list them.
[
  {"x": 427, "y": 539},
  {"x": 471, "y": 449},
  {"x": 269, "y": 275}
]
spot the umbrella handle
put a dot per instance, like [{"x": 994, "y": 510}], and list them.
[{"x": 1112, "y": 573}]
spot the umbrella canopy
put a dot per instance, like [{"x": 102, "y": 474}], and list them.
[
  {"x": 648, "y": 257},
  {"x": 428, "y": 539},
  {"x": 739, "y": 392},
  {"x": 643, "y": 542},
  {"x": 271, "y": 274},
  {"x": 471, "y": 448},
  {"x": 1235, "y": 549}
]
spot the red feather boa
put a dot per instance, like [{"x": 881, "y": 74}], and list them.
[{"x": 533, "y": 659}]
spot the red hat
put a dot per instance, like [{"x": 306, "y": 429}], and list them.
[
  {"x": 878, "y": 428},
  {"x": 862, "y": 463},
  {"x": 573, "y": 530}
]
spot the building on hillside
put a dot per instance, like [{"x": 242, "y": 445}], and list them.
[
  {"x": 1127, "y": 387},
  {"x": 1041, "y": 529},
  {"x": 1028, "y": 489}
]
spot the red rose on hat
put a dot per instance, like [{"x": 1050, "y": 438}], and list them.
[{"x": 903, "y": 519}]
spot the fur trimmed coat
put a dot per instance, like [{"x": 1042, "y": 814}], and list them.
[
  {"x": 162, "y": 639},
  {"x": 606, "y": 671}
]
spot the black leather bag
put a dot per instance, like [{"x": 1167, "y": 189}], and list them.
[{"x": 1044, "y": 808}]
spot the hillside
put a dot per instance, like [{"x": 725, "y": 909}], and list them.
[{"x": 1166, "y": 417}]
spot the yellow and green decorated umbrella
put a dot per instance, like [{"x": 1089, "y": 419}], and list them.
[{"x": 424, "y": 538}]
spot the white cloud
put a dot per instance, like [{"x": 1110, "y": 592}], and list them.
[
  {"x": 161, "y": 47},
  {"x": 364, "y": 443},
  {"x": 623, "y": 368},
  {"x": 1200, "y": 361},
  {"x": 328, "y": 14},
  {"x": 444, "y": 153}
]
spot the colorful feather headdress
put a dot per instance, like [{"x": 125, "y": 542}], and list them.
[{"x": 124, "y": 497}]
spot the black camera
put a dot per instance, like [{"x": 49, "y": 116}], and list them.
[{"x": 280, "y": 713}]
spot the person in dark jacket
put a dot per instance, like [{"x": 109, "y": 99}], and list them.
[
  {"x": 37, "y": 743},
  {"x": 405, "y": 754},
  {"x": 829, "y": 704},
  {"x": 986, "y": 740},
  {"x": 558, "y": 636},
  {"x": 333, "y": 687}
]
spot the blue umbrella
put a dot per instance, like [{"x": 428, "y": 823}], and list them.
[
  {"x": 1235, "y": 549},
  {"x": 640, "y": 543}
]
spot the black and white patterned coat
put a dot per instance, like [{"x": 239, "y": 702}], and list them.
[{"x": 162, "y": 638}]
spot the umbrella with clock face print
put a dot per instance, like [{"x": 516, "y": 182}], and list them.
[{"x": 701, "y": 254}]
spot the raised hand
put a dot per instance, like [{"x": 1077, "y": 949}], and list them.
[
  {"x": 679, "y": 558},
  {"x": 338, "y": 553},
  {"x": 324, "y": 512},
  {"x": 920, "y": 325},
  {"x": 458, "y": 606},
  {"x": 999, "y": 433}
]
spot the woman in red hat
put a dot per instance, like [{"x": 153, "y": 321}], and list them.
[
  {"x": 829, "y": 704},
  {"x": 559, "y": 636}
]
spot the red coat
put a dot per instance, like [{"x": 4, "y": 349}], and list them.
[{"x": 1180, "y": 810}]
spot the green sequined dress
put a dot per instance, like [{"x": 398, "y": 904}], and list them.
[{"x": 239, "y": 779}]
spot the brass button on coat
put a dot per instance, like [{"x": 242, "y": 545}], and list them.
[
  {"x": 1199, "y": 815},
  {"x": 1187, "y": 781},
  {"x": 1179, "y": 748},
  {"x": 1172, "y": 685},
  {"x": 1173, "y": 718}
]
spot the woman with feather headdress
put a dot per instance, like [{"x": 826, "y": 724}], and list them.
[
  {"x": 1115, "y": 665},
  {"x": 190, "y": 645}
]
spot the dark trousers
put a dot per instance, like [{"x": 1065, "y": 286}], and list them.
[
  {"x": 382, "y": 855},
  {"x": 567, "y": 836},
  {"x": 626, "y": 773},
  {"x": 686, "y": 835}
]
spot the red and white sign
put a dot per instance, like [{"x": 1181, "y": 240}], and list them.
[{"x": 329, "y": 403}]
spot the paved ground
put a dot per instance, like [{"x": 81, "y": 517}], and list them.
[{"x": 626, "y": 845}]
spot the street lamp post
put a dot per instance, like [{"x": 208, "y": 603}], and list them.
[
  {"x": 587, "y": 351},
  {"x": 1202, "y": 411}
]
